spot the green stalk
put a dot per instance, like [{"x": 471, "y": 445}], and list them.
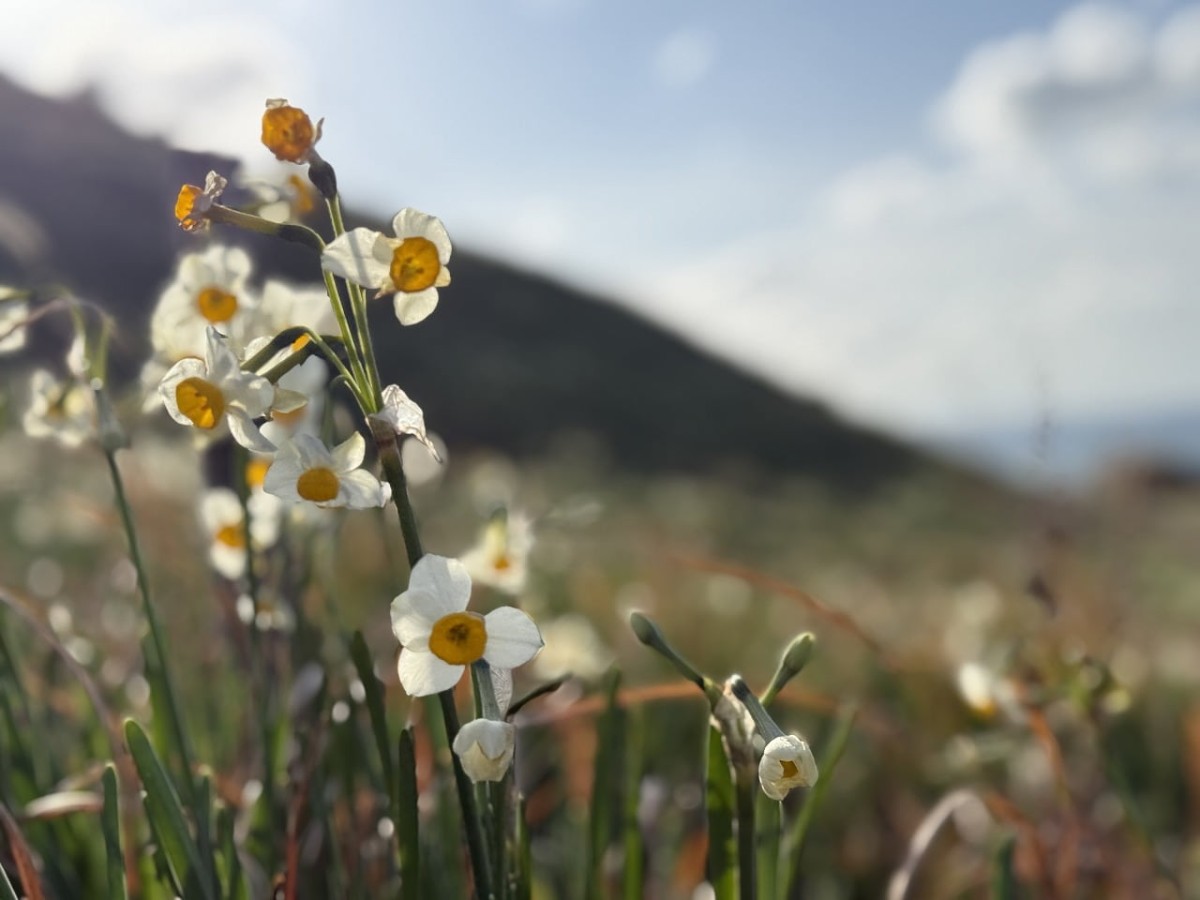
[
  {"x": 746, "y": 789},
  {"x": 388, "y": 446},
  {"x": 473, "y": 825},
  {"x": 157, "y": 657},
  {"x": 358, "y": 305}
]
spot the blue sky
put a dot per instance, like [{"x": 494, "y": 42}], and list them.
[{"x": 936, "y": 216}]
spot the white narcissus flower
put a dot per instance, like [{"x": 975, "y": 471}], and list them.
[
  {"x": 412, "y": 265},
  {"x": 499, "y": 559},
  {"x": 305, "y": 469},
  {"x": 485, "y": 749},
  {"x": 207, "y": 393},
  {"x": 210, "y": 289},
  {"x": 786, "y": 763},
  {"x": 223, "y": 522},
  {"x": 440, "y": 638},
  {"x": 403, "y": 416},
  {"x": 62, "y": 410}
]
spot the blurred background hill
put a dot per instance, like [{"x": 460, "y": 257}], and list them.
[{"x": 512, "y": 361}]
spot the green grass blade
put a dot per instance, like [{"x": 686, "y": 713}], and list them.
[
  {"x": 633, "y": 843},
  {"x": 523, "y": 889},
  {"x": 719, "y": 803},
  {"x": 375, "y": 709},
  {"x": 111, "y": 824},
  {"x": 1004, "y": 882},
  {"x": 601, "y": 810},
  {"x": 770, "y": 834},
  {"x": 408, "y": 836},
  {"x": 834, "y": 748},
  {"x": 165, "y": 813}
]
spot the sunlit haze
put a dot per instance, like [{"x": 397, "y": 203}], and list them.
[{"x": 933, "y": 215}]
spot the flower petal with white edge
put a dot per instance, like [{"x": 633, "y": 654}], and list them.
[
  {"x": 422, "y": 674},
  {"x": 786, "y": 763},
  {"x": 349, "y": 453},
  {"x": 405, "y": 417},
  {"x": 246, "y": 433},
  {"x": 414, "y": 223},
  {"x": 417, "y": 307},
  {"x": 352, "y": 256},
  {"x": 512, "y": 638},
  {"x": 485, "y": 749},
  {"x": 359, "y": 489},
  {"x": 442, "y": 577},
  {"x": 413, "y": 616}
]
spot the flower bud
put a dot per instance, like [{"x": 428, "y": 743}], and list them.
[
  {"x": 485, "y": 749},
  {"x": 786, "y": 763}
]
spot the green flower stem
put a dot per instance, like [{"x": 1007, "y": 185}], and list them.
[
  {"x": 359, "y": 377},
  {"x": 767, "y": 726},
  {"x": 746, "y": 788},
  {"x": 358, "y": 305},
  {"x": 158, "y": 656},
  {"x": 650, "y": 635},
  {"x": 388, "y": 445},
  {"x": 476, "y": 844}
]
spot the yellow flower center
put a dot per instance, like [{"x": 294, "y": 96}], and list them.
[
  {"x": 185, "y": 204},
  {"x": 288, "y": 132},
  {"x": 789, "y": 768},
  {"x": 201, "y": 401},
  {"x": 320, "y": 485},
  {"x": 415, "y": 265},
  {"x": 256, "y": 472},
  {"x": 502, "y": 563},
  {"x": 459, "y": 638},
  {"x": 231, "y": 536},
  {"x": 216, "y": 305}
]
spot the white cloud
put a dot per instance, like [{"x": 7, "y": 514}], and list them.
[
  {"x": 191, "y": 75},
  {"x": 1046, "y": 241}
]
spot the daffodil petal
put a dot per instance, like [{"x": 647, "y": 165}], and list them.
[
  {"x": 414, "y": 223},
  {"x": 422, "y": 674},
  {"x": 360, "y": 489},
  {"x": 414, "y": 308},
  {"x": 444, "y": 578},
  {"x": 244, "y": 431},
  {"x": 414, "y": 613},
  {"x": 349, "y": 453},
  {"x": 352, "y": 256},
  {"x": 512, "y": 638}
]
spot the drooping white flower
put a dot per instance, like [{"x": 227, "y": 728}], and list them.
[
  {"x": 499, "y": 558},
  {"x": 404, "y": 417},
  {"x": 412, "y": 265},
  {"x": 440, "y": 638},
  {"x": 210, "y": 289},
  {"x": 62, "y": 410},
  {"x": 786, "y": 763},
  {"x": 211, "y": 392},
  {"x": 305, "y": 469},
  {"x": 485, "y": 748}
]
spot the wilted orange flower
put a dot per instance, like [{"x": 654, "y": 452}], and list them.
[
  {"x": 194, "y": 202},
  {"x": 288, "y": 132}
]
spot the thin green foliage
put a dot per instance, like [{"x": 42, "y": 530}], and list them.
[
  {"x": 719, "y": 806},
  {"x": 111, "y": 823}
]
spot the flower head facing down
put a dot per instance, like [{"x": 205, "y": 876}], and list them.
[
  {"x": 485, "y": 748},
  {"x": 288, "y": 132},
  {"x": 412, "y": 265},
  {"x": 207, "y": 393},
  {"x": 305, "y": 469},
  {"x": 786, "y": 763},
  {"x": 440, "y": 638},
  {"x": 193, "y": 203}
]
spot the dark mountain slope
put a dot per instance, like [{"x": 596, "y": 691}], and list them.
[{"x": 509, "y": 360}]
